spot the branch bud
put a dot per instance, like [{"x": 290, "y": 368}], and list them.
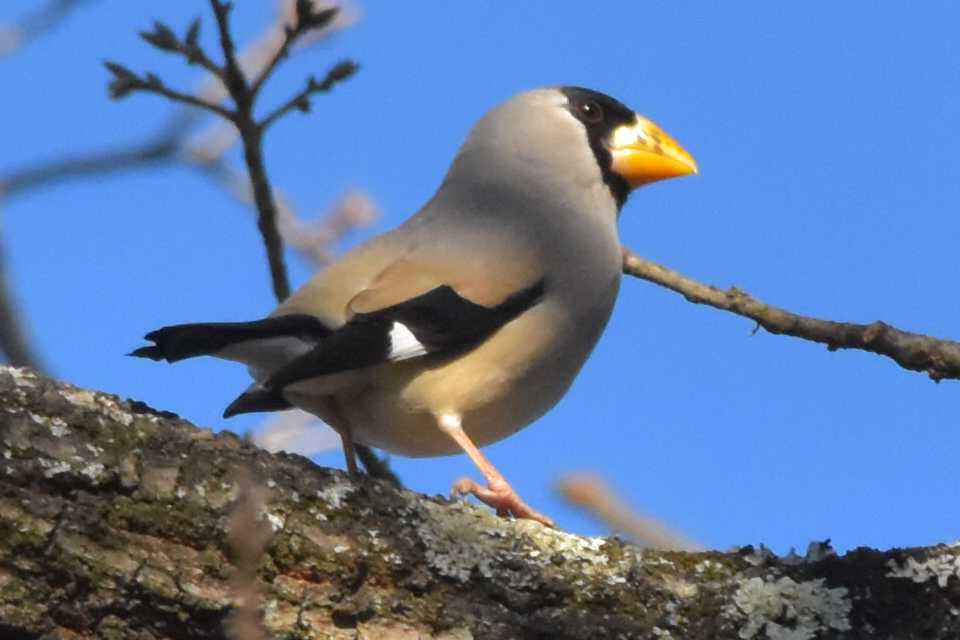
[
  {"x": 162, "y": 37},
  {"x": 308, "y": 18},
  {"x": 124, "y": 81},
  {"x": 193, "y": 34}
]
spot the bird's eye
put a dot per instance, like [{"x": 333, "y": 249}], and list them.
[{"x": 591, "y": 112}]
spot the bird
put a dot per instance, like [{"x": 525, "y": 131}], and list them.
[{"x": 472, "y": 318}]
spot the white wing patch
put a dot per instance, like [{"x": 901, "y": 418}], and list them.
[{"x": 403, "y": 344}]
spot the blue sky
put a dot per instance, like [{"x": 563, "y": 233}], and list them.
[{"x": 826, "y": 135}]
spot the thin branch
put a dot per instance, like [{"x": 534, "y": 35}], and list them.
[
  {"x": 305, "y": 20},
  {"x": 163, "y": 38},
  {"x": 186, "y": 98},
  {"x": 244, "y": 96},
  {"x": 233, "y": 74},
  {"x": 201, "y": 58},
  {"x": 282, "y": 52},
  {"x": 338, "y": 73},
  {"x": 153, "y": 86},
  {"x": 940, "y": 359},
  {"x": 252, "y": 139},
  {"x": 164, "y": 146},
  {"x": 89, "y": 164},
  {"x": 267, "y": 220},
  {"x": 255, "y": 56}
]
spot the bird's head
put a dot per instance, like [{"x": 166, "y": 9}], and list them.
[
  {"x": 570, "y": 133},
  {"x": 633, "y": 149}
]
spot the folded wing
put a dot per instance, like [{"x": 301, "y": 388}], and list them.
[{"x": 404, "y": 314}]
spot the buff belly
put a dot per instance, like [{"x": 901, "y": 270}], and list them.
[{"x": 498, "y": 388}]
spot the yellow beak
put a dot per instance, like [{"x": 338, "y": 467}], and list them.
[{"x": 643, "y": 153}]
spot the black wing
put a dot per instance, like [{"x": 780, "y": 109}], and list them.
[{"x": 439, "y": 321}]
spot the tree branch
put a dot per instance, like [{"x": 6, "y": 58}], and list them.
[
  {"x": 163, "y": 38},
  {"x": 186, "y": 98},
  {"x": 126, "y": 82},
  {"x": 252, "y": 139},
  {"x": 306, "y": 20},
  {"x": 118, "y": 521},
  {"x": 233, "y": 75},
  {"x": 89, "y": 164},
  {"x": 267, "y": 206},
  {"x": 340, "y": 72},
  {"x": 244, "y": 97},
  {"x": 940, "y": 359}
]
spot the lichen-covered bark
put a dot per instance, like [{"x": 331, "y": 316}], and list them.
[{"x": 113, "y": 524}]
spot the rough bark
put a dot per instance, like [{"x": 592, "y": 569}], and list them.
[{"x": 113, "y": 522}]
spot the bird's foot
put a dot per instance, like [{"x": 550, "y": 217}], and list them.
[{"x": 499, "y": 495}]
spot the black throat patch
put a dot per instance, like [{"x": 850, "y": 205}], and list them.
[{"x": 601, "y": 115}]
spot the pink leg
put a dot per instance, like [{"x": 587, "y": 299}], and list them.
[{"x": 498, "y": 493}]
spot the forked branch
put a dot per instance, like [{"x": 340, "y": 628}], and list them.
[{"x": 243, "y": 94}]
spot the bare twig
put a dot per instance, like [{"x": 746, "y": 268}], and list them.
[
  {"x": 125, "y": 82},
  {"x": 186, "y": 98},
  {"x": 267, "y": 206},
  {"x": 251, "y": 132},
  {"x": 940, "y": 359},
  {"x": 257, "y": 55},
  {"x": 163, "y": 38},
  {"x": 338, "y": 73},
  {"x": 596, "y": 497},
  {"x": 243, "y": 95},
  {"x": 101, "y": 162},
  {"x": 233, "y": 75},
  {"x": 306, "y": 19}
]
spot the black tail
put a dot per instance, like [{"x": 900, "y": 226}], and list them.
[
  {"x": 182, "y": 341},
  {"x": 256, "y": 400}
]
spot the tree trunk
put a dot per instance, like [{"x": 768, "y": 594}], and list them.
[{"x": 119, "y": 521}]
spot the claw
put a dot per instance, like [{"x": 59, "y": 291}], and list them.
[{"x": 501, "y": 496}]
